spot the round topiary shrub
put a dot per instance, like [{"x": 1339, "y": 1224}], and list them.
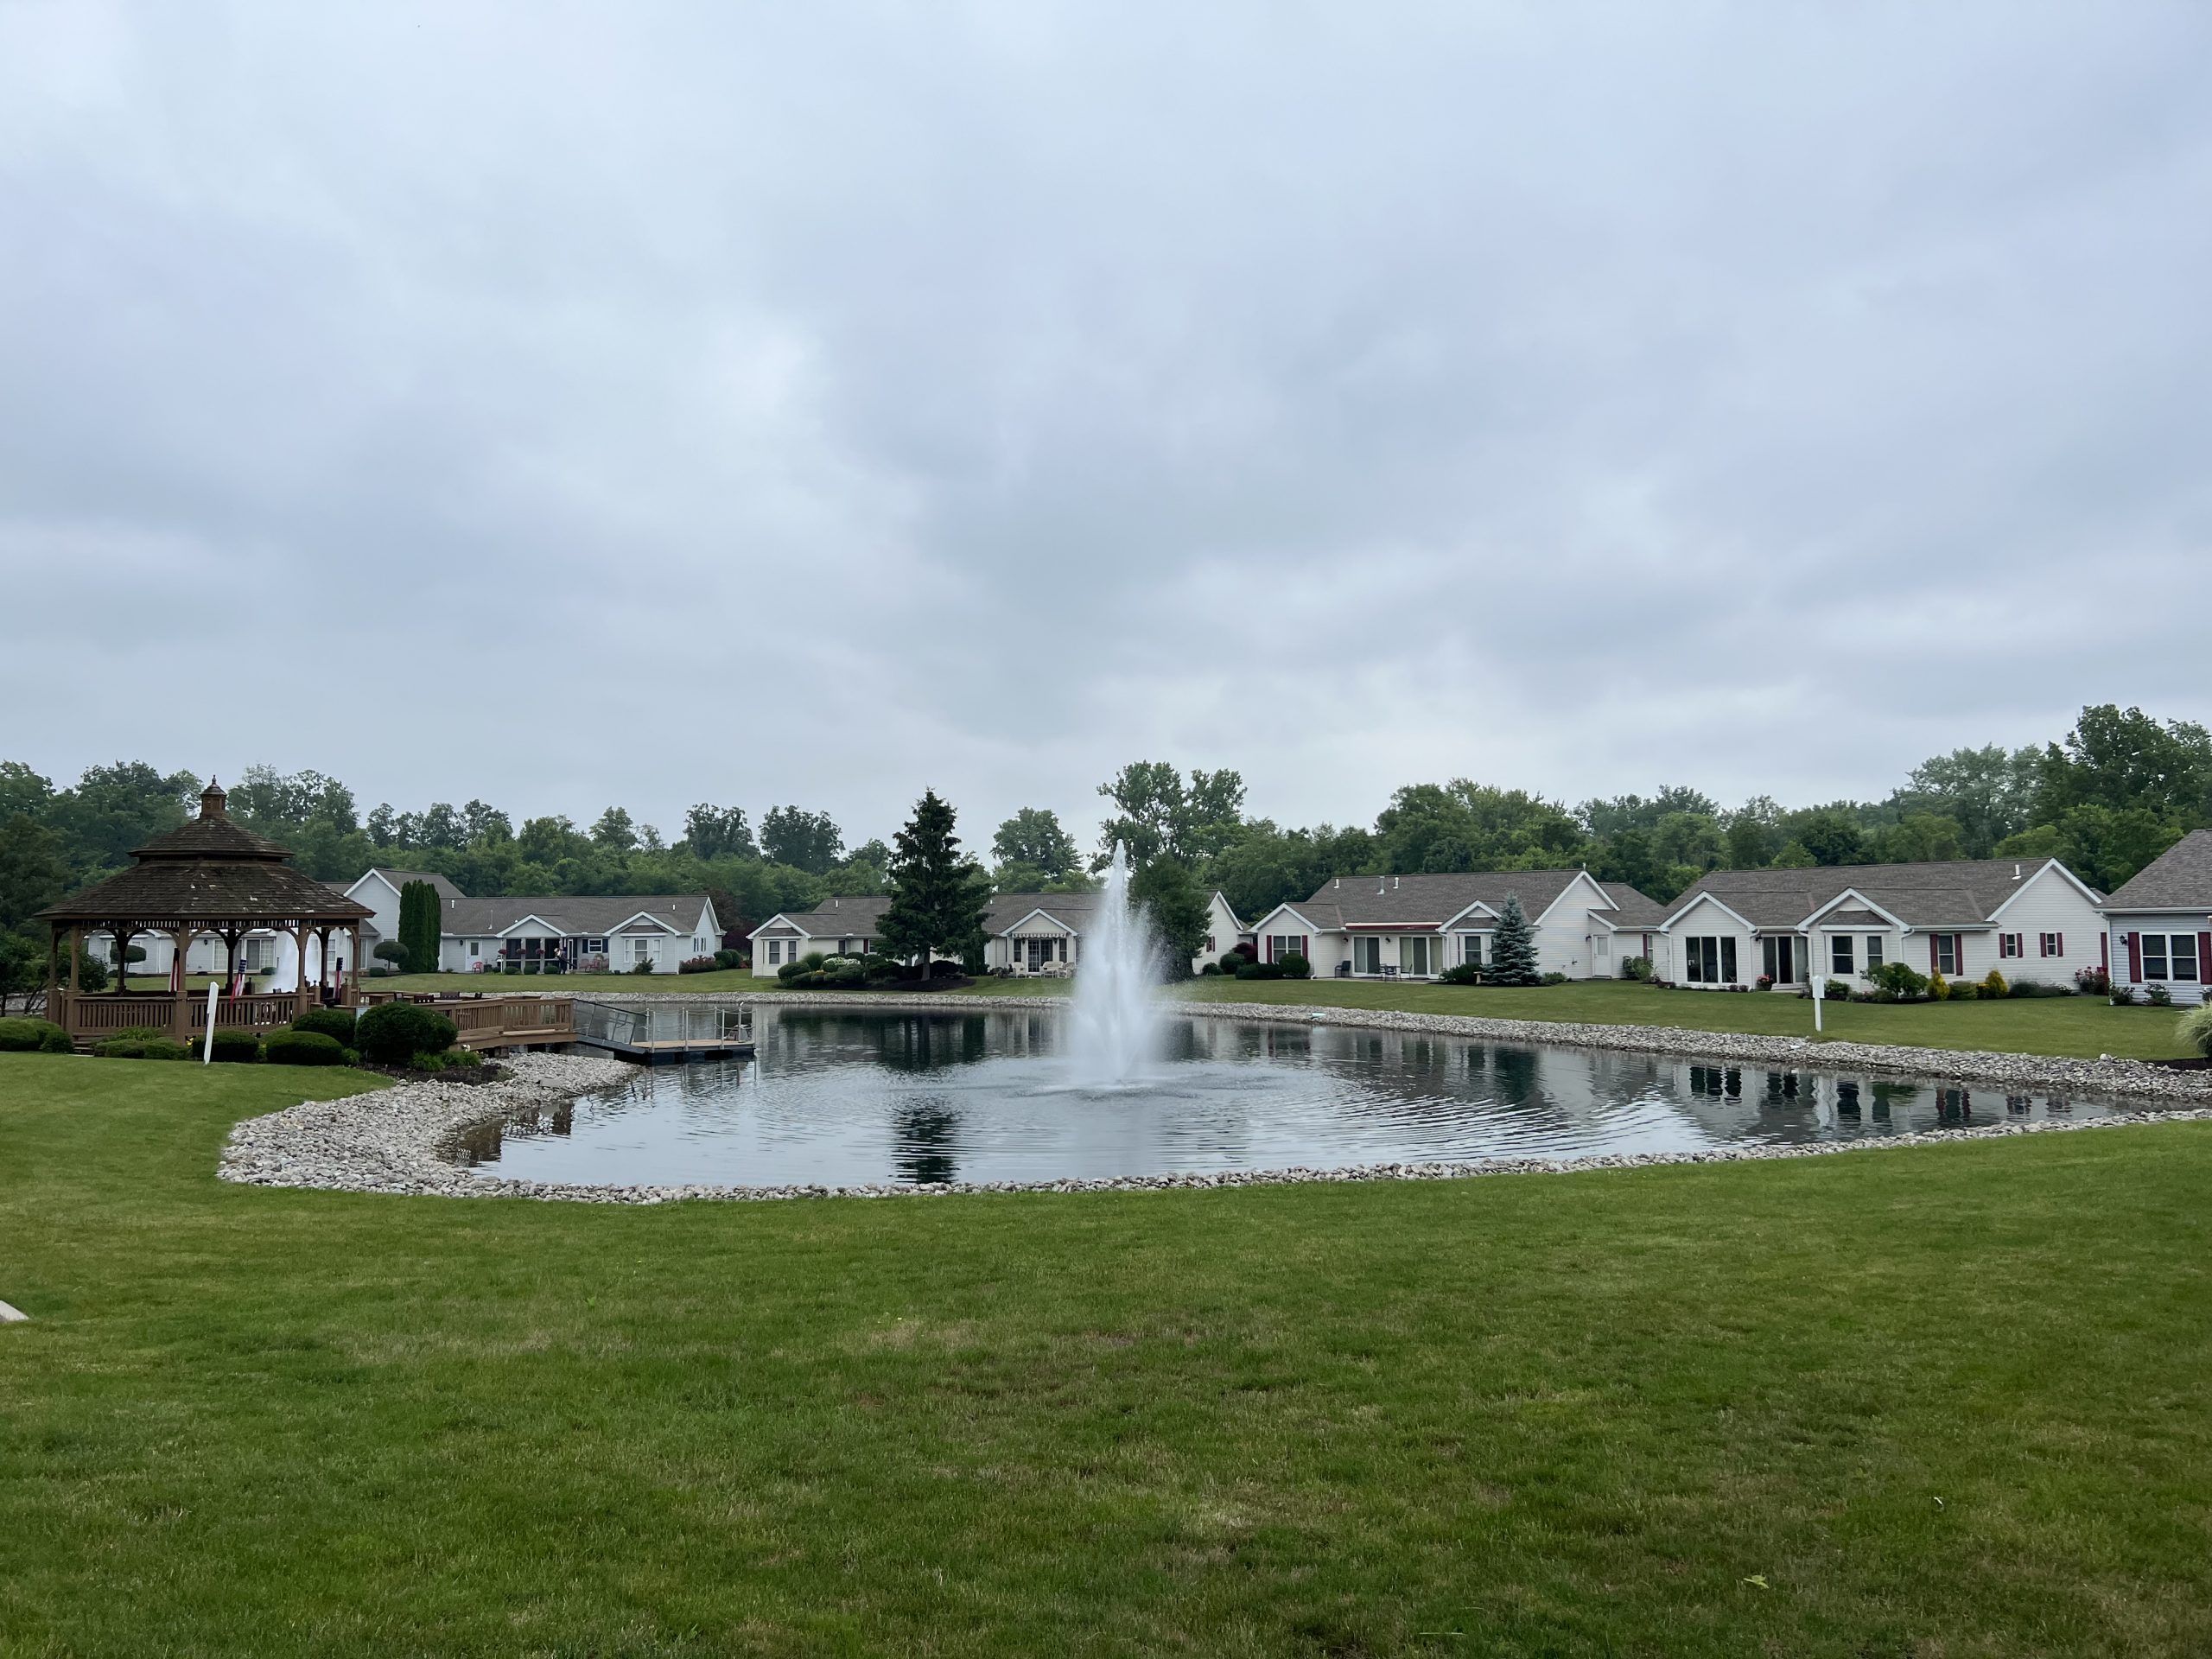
[
  {"x": 302, "y": 1048},
  {"x": 337, "y": 1024},
  {"x": 238, "y": 1047},
  {"x": 23, "y": 1036},
  {"x": 393, "y": 1033}
]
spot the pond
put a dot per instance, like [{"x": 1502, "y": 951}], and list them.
[{"x": 840, "y": 1098}]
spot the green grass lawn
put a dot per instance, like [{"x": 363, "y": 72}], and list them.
[
  {"x": 1952, "y": 1402},
  {"x": 2081, "y": 1025}
]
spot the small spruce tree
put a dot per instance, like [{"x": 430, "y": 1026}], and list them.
[
  {"x": 936, "y": 894},
  {"x": 1513, "y": 947}
]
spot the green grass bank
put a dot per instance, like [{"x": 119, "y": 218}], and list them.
[{"x": 1952, "y": 1401}]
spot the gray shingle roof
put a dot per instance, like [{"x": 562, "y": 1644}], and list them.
[
  {"x": 1382, "y": 900},
  {"x": 401, "y": 877},
  {"x": 573, "y": 914},
  {"x": 1962, "y": 892},
  {"x": 2179, "y": 878}
]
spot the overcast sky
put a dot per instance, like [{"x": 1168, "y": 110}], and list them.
[{"x": 568, "y": 404}]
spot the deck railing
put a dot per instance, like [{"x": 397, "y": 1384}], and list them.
[{"x": 482, "y": 1022}]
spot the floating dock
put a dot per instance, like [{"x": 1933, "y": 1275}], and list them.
[{"x": 660, "y": 1036}]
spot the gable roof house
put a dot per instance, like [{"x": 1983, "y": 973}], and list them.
[
  {"x": 576, "y": 933},
  {"x": 1416, "y": 926},
  {"x": 1026, "y": 933},
  {"x": 1960, "y": 917},
  {"x": 2160, "y": 920}
]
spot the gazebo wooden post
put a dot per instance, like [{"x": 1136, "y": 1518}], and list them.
[
  {"x": 301, "y": 932},
  {"x": 353, "y": 969},
  {"x": 77, "y": 958},
  {"x": 180, "y": 999}
]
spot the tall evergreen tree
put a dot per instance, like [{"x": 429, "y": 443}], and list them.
[
  {"x": 936, "y": 894},
  {"x": 1513, "y": 947},
  {"x": 418, "y": 926}
]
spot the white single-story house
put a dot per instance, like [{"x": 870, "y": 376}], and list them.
[
  {"x": 2028, "y": 919},
  {"x": 1416, "y": 927},
  {"x": 576, "y": 933},
  {"x": 2160, "y": 920},
  {"x": 1029, "y": 933},
  {"x": 378, "y": 889}
]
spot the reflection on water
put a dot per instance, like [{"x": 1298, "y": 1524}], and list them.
[{"x": 843, "y": 1098}]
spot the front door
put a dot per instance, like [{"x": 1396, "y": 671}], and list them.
[{"x": 1781, "y": 960}]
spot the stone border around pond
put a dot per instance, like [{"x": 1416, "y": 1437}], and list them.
[{"x": 393, "y": 1141}]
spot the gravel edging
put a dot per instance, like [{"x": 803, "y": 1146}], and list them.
[
  {"x": 2047, "y": 1071},
  {"x": 391, "y": 1140}
]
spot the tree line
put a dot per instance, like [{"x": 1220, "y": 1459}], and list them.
[{"x": 2111, "y": 795}]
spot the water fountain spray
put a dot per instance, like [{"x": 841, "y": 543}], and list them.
[{"x": 1115, "y": 1030}]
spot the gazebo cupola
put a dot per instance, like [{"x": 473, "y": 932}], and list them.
[{"x": 208, "y": 876}]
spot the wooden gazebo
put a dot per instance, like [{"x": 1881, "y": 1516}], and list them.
[{"x": 209, "y": 877}]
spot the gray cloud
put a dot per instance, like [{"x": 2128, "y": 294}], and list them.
[{"x": 813, "y": 403}]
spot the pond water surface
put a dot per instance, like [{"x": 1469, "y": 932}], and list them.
[{"x": 841, "y": 1098}]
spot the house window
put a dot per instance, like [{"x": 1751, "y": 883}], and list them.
[
  {"x": 1211, "y": 947},
  {"x": 1840, "y": 955},
  {"x": 2170, "y": 956},
  {"x": 1947, "y": 955},
  {"x": 1367, "y": 955},
  {"x": 1873, "y": 952},
  {"x": 1709, "y": 961},
  {"x": 2054, "y": 944},
  {"x": 1471, "y": 950},
  {"x": 641, "y": 950},
  {"x": 1285, "y": 944},
  {"x": 1416, "y": 958},
  {"x": 2010, "y": 945},
  {"x": 476, "y": 947}
]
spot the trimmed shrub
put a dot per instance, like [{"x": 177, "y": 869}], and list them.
[
  {"x": 336, "y": 1024},
  {"x": 2035, "y": 987},
  {"x": 726, "y": 959},
  {"x": 1995, "y": 985},
  {"x": 2160, "y": 997},
  {"x": 1552, "y": 979},
  {"x": 1637, "y": 968},
  {"x": 2123, "y": 996},
  {"x": 1211, "y": 968},
  {"x": 1260, "y": 970},
  {"x": 947, "y": 970},
  {"x": 643, "y": 967},
  {"x": 2194, "y": 1029},
  {"x": 393, "y": 951},
  {"x": 1900, "y": 981},
  {"x": 142, "y": 1048},
  {"x": 1835, "y": 990},
  {"x": 1964, "y": 991},
  {"x": 1461, "y": 973},
  {"x": 238, "y": 1047},
  {"x": 1294, "y": 966},
  {"x": 698, "y": 964},
  {"x": 2093, "y": 982},
  {"x": 1939, "y": 989},
  {"x": 288, "y": 1048},
  {"x": 25, "y": 1036},
  {"x": 393, "y": 1033}
]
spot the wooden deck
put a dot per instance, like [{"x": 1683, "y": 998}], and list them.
[{"x": 489, "y": 1023}]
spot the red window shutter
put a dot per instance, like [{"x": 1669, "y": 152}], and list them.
[
  {"x": 1933, "y": 965},
  {"x": 2060, "y": 940},
  {"x": 2204, "y": 958},
  {"x": 2135, "y": 958},
  {"x": 2104, "y": 951}
]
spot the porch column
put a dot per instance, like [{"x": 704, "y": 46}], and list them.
[{"x": 353, "y": 969}]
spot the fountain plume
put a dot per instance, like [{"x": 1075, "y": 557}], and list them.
[{"x": 1115, "y": 1025}]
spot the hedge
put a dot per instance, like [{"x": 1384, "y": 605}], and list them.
[
  {"x": 337, "y": 1024},
  {"x": 286, "y": 1047},
  {"x": 241, "y": 1047},
  {"x": 142, "y": 1048},
  {"x": 23, "y": 1036}
]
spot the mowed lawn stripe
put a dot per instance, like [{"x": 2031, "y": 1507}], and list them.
[{"x": 1551, "y": 1414}]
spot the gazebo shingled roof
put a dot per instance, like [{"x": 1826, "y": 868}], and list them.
[{"x": 209, "y": 871}]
